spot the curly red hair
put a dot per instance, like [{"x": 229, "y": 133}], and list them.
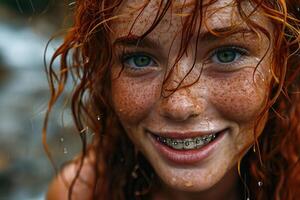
[{"x": 274, "y": 163}]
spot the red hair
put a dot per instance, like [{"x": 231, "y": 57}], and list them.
[{"x": 275, "y": 163}]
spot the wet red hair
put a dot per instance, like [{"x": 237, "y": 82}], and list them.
[{"x": 275, "y": 161}]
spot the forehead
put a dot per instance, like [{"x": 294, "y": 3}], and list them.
[{"x": 136, "y": 16}]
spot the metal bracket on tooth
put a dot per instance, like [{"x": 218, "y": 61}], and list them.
[{"x": 187, "y": 143}]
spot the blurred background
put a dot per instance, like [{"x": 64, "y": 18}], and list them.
[{"x": 25, "y": 28}]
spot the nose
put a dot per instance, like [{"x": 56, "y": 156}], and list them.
[{"x": 182, "y": 105}]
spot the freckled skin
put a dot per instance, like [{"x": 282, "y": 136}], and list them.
[
  {"x": 218, "y": 100},
  {"x": 237, "y": 96},
  {"x": 135, "y": 105}
]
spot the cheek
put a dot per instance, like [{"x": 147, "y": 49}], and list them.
[
  {"x": 133, "y": 100},
  {"x": 238, "y": 97}
]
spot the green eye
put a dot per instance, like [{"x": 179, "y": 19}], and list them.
[
  {"x": 228, "y": 55},
  {"x": 139, "y": 61}
]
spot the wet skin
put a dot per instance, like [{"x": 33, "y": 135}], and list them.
[{"x": 228, "y": 95}]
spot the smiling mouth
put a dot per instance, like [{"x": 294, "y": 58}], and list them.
[{"x": 187, "y": 143}]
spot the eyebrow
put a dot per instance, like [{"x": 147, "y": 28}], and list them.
[
  {"x": 224, "y": 32},
  {"x": 136, "y": 41}
]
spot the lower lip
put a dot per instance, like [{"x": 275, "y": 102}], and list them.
[{"x": 187, "y": 157}]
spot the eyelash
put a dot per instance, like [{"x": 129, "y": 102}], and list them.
[
  {"x": 127, "y": 54},
  {"x": 237, "y": 49}
]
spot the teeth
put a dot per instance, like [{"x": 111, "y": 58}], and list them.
[
  {"x": 176, "y": 144},
  {"x": 189, "y": 143}
]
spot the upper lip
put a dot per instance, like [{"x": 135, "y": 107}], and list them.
[{"x": 184, "y": 135}]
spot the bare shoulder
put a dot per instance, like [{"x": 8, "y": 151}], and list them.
[{"x": 59, "y": 187}]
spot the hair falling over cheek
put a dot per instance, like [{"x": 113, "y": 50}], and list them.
[{"x": 272, "y": 171}]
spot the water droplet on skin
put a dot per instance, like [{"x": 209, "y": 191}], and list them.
[
  {"x": 260, "y": 183},
  {"x": 65, "y": 150},
  {"x": 188, "y": 184}
]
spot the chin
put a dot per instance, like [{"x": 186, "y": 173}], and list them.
[
  {"x": 190, "y": 186},
  {"x": 192, "y": 179}
]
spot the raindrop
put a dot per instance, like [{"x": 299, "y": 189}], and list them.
[
  {"x": 19, "y": 6},
  {"x": 134, "y": 175},
  {"x": 32, "y": 6},
  {"x": 260, "y": 183},
  {"x": 86, "y": 60},
  {"x": 62, "y": 139},
  {"x": 65, "y": 150},
  {"x": 84, "y": 130},
  {"x": 72, "y": 3},
  {"x": 188, "y": 184},
  {"x": 248, "y": 198}
]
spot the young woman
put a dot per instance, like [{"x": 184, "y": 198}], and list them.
[{"x": 187, "y": 99}]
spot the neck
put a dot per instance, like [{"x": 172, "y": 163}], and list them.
[{"x": 227, "y": 188}]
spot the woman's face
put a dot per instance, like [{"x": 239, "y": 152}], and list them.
[{"x": 194, "y": 136}]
